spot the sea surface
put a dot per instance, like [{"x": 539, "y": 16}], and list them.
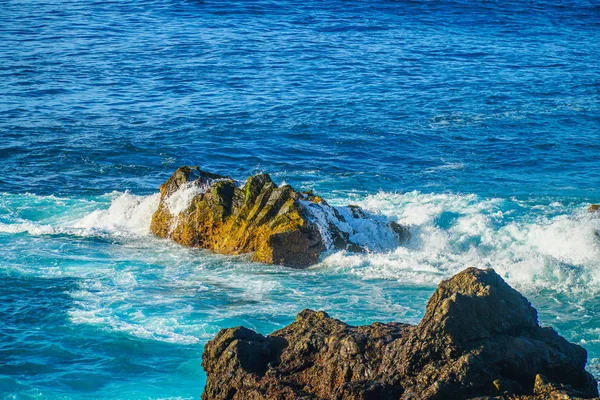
[{"x": 475, "y": 123}]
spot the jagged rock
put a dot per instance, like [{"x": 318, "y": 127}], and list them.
[
  {"x": 594, "y": 208},
  {"x": 277, "y": 224},
  {"x": 479, "y": 338}
]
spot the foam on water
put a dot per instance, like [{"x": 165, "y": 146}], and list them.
[
  {"x": 181, "y": 199},
  {"x": 127, "y": 214},
  {"x": 28, "y": 227},
  {"x": 491, "y": 98},
  {"x": 532, "y": 245},
  {"x": 130, "y": 284},
  {"x": 96, "y": 308},
  {"x": 370, "y": 231}
]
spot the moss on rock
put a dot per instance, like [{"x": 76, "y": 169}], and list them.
[{"x": 261, "y": 218}]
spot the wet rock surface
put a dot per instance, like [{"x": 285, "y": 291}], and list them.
[
  {"x": 479, "y": 338},
  {"x": 277, "y": 225}
]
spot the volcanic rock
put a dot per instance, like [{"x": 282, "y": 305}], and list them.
[{"x": 479, "y": 338}]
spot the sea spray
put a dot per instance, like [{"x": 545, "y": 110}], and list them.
[
  {"x": 127, "y": 214},
  {"x": 372, "y": 232},
  {"x": 530, "y": 243},
  {"x": 533, "y": 245}
]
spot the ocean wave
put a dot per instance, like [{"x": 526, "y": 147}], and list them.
[
  {"x": 532, "y": 245},
  {"x": 159, "y": 291},
  {"x": 127, "y": 214},
  {"x": 370, "y": 231},
  {"x": 124, "y": 214},
  {"x": 31, "y": 228},
  {"x": 181, "y": 199}
]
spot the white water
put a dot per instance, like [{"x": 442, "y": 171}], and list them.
[
  {"x": 372, "y": 232},
  {"x": 181, "y": 199},
  {"x": 537, "y": 246},
  {"x": 127, "y": 214},
  {"x": 531, "y": 244}
]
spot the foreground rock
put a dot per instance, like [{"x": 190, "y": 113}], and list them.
[
  {"x": 479, "y": 338},
  {"x": 277, "y": 224}
]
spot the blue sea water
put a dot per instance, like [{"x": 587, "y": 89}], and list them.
[{"x": 476, "y": 123}]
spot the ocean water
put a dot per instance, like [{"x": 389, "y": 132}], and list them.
[{"x": 477, "y": 124}]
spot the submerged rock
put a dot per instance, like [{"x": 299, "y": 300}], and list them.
[
  {"x": 479, "y": 338},
  {"x": 277, "y": 224}
]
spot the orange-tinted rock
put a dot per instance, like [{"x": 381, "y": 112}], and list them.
[{"x": 201, "y": 209}]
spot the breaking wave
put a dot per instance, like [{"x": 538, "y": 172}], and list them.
[
  {"x": 127, "y": 214},
  {"x": 117, "y": 214},
  {"x": 529, "y": 242},
  {"x": 541, "y": 245}
]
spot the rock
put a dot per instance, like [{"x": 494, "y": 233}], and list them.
[
  {"x": 594, "y": 208},
  {"x": 479, "y": 338},
  {"x": 477, "y": 330},
  {"x": 401, "y": 232},
  {"x": 356, "y": 211},
  {"x": 276, "y": 224}
]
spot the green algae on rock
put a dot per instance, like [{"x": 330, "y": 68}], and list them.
[
  {"x": 278, "y": 225},
  {"x": 594, "y": 208}
]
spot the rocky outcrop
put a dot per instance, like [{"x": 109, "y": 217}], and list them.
[
  {"x": 276, "y": 224},
  {"x": 479, "y": 338}
]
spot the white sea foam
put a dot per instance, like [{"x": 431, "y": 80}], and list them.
[
  {"x": 153, "y": 291},
  {"x": 181, "y": 199},
  {"x": 127, "y": 214},
  {"x": 372, "y": 232},
  {"x": 532, "y": 244},
  {"x": 548, "y": 247},
  {"x": 158, "y": 328},
  {"x": 110, "y": 307},
  {"x": 28, "y": 227}
]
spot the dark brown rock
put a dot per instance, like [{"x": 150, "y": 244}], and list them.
[
  {"x": 479, "y": 338},
  {"x": 275, "y": 224}
]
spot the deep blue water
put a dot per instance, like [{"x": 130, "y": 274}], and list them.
[{"x": 475, "y": 123}]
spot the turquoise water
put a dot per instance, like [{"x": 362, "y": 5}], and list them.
[{"x": 476, "y": 124}]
